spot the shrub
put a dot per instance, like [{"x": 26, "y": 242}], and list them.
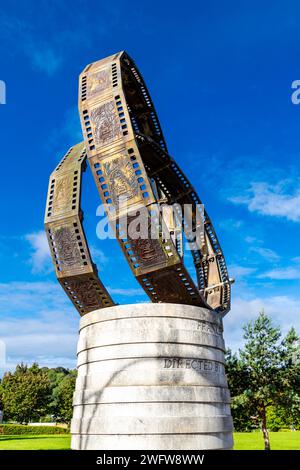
[{"x": 18, "y": 429}]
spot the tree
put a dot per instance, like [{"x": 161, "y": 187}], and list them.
[
  {"x": 266, "y": 372},
  {"x": 285, "y": 416},
  {"x": 25, "y": 393},
  {"x": 65, "y": 393},
  {"x": 241, "y": 410},
  {"x": 62, "y": 389},
  {"x": 56, "y": 375}
]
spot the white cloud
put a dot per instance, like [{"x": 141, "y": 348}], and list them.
[
  {"x": 35, "y": 298},
  {"x": 40, "y": 258},
  {"x": 98, "y": 256},
  {"x": 252, "y": 240},
  {"x": 126, "y": 292},
  {"x": 23, "y": 36},
  {"x": 44, "y": 57},
  {"x": 280, "y": 200},
  {"x": 230, "y": 224},
  {"x": 284, "y": 311},
  {"x": 288, "y": 273},
  {"x": 240, "y": 271},
  {"x": 66, "y": 133},
  {"x": 266, "y": 253},
  {"x": 71, "y": 127},
  {"x": 37, "y": 323}
]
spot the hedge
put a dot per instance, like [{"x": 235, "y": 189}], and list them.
[{"x": 16, "y": 429}]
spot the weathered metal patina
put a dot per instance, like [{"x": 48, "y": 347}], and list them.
[{"x": 128, "y": 156}]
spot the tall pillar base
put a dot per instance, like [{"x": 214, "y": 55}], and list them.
[{"x": 151, "y": 376}]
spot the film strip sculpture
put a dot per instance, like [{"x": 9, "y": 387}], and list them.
[
  {"x": 129, "y": 160},
  {"x": 74, "y": 268}
]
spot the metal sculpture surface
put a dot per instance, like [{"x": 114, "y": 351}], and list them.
[{"x": 127, "y": 153}]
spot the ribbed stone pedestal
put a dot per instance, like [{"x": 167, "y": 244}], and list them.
[{"x": 151, "y": 376}]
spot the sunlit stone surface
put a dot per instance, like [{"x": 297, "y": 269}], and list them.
[{"x": 151, "y": 376}]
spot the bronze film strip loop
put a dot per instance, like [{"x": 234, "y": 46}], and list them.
[
  {"x": 163, "y": 167},
  {"x": 128, "y": 156},
  {"x": 74, "y": 267}
]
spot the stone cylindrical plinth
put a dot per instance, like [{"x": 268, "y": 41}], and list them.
[{"x": 151, "y": 376}]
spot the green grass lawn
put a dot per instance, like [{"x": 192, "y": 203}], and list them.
[
  {"x": 38, "y": 442},
  {"x": 279, "y": 440},
  {"x": 242, "y": 441}
]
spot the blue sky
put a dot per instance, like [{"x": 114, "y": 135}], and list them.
[{"x": 220, "y": 75}]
